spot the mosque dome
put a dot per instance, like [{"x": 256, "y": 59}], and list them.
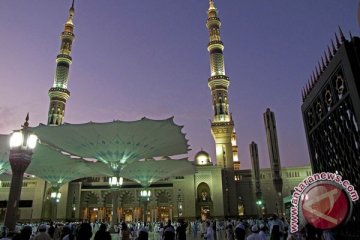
[{"x": 202, "y": 158}]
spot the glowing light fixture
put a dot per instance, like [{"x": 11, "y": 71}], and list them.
[
  {"x": 55, "y": 195},
  {"x": 16, "y": 139},
  {"x": 19, "y": 139},
  {"x": 116, "y": 181},
  {"x": 145, "y": 193}
]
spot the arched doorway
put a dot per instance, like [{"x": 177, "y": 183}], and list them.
[
  {"x": 127, "y": 211},
  {"x": 90, "y": 207},
  {"x": 163, "y": 210},
  {"x": 204, "y": 202}
]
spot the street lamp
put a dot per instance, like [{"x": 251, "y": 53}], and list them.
[
  {"x": 55, "y": 196},
  {"x": 73, "y": 207},
  {"x": 22, "y": 144},
  {"x": 145, "y": 197},
  {"x": 261, "y": 207},
  {"x": 179, "y": 204},
  {"x": 115, "y": 183},
  {"x": 145, "y": 194}
]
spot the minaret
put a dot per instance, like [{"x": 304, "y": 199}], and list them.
[
  {"x": 254, "y": 155},
  {"x": 222, "y": 125},
  {"x": 273, "y": 147},
  {"x": 59, "y": 93}
]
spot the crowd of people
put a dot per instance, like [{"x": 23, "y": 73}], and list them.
[{"x": 272, "y": 228}]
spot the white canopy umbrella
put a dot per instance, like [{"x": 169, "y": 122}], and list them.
[
  {"x": 116, "y": 143},
  {"x": 4, "y": 153},
  {"x": 59, "y": 168},
  {"x": 149, "y": 171},
  {"x": 53, "y": 166}
]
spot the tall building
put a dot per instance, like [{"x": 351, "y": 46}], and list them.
[
  {"x": 222, "y": 125},
  {"x": 331, "y": 115},
  {"x": 59, "y": 93},
  {"x": 273, "y": 147}
]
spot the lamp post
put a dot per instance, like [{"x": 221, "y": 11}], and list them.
[
  {"x": 259, "y": 204},
  {"x": 22, "y": 144},
  {"x": 73, "y": 207},
  {"x": 145, "y": 197},
  {"x": 73, "y": 212},
  {"x": 115, "y": 183},
  {"x": 55, "y": 196},
  {"x": 280, "y": 205},
  {"x": 180, "y": 205}
]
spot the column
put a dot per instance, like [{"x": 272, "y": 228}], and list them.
[{"x": 19, "y": 161}]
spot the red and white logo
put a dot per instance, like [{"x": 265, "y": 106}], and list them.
[{"x": 325, "y": 205}]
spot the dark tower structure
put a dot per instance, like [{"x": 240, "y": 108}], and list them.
[
  {"x": 274, "y": 155},
  {"x": 255, "y": 173},
  {"x": 59, "y": 93},
  {"x": 331, "y": 115}
]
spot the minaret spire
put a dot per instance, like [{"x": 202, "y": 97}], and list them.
[
  {"x": 211, "y": 5},
  {"x": 222, "y": 125},
  {"x": 71, "y": 13},
  {"x": 59, "y": 93}
]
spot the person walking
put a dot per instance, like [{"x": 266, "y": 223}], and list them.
[
  {"x": 254, "y": 233},
  {"x": 102, "y": 234},
  {"x": 229, "y": 235},
  {"x": 84, "y": 232},
  {"x": 25, "y": 233},
  {"x": 214, "y": 223},
  {"x": 125, "y": 231},
  {"x": 195, "y": 229},
  {"x": 143, "y": 234},
  {"x": 42, "y": 235},
  {"x": 262, "y": 234},
  {"x": 240, "y": 231},
  {"x": 276, "y": 228},
  {"x": 169, "y": 231},
  {"x": 181, "y": 230},
  {"x": 209, "y": 232},
  {"x": 160, "y": 231},
  {"x": 51, "y": 230},
  {"x": 66, "y": 233}
]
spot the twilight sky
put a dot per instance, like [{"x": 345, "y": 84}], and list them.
[{"x": 136, "y": 58}]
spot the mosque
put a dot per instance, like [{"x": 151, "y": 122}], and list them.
[{"x": 217, "y": 188}]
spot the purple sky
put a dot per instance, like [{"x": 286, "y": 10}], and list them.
[{"x": 148, "y": 58}]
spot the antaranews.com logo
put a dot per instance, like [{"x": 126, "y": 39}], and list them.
[{"x": 323, "y": 199}]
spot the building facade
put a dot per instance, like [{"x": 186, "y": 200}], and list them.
[
  {"x": 247, "y": 196},
  {"x": 193, "y": 196},
  {"x": 331, "y": 115}
]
